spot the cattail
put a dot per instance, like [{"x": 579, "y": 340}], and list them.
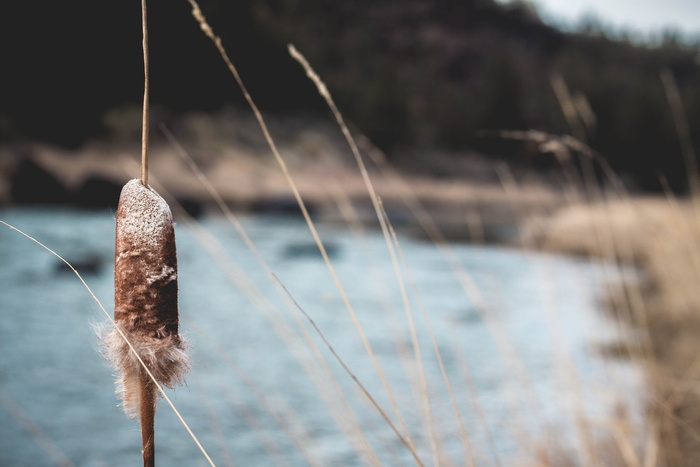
[
  {"x": 145, "y": 304},
  {"x": 145, "y": 293}
]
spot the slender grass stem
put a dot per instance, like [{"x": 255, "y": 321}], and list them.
[
  {"x": 354, "y": 378},
  {"x": 147, "y": 397},
  {"x": 206, "y": 28},
  {"x": 146, "y": 105},
  {"x": 46, "y": 443},
  {"x": 147, "y": 417}
]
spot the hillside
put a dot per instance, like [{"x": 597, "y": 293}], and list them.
[{"x": 414, "y": 76}]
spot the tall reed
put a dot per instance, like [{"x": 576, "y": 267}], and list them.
[
  {"x": 145, "y": 293},
  {"x": 145, "y": 303}
]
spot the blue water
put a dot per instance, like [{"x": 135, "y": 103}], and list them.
[{"x": 521, "y": 356}]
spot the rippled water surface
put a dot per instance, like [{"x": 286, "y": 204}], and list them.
[{"x": 518, "y": 348}]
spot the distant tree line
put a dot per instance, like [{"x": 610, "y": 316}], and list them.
[{"x": 407, "y": 73}]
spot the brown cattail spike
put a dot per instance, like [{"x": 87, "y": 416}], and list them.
[
  {"x": 145, "y": 297},
  {"x": 145, "y": 279}
]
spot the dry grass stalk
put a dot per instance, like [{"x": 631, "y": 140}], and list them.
[
  {"x": 145, "y": 292},
  {"x": 680, "y": 119},
  {"x": 568, "y": 107},
  {"x": 146, "y": 106},
  {"x": 404, "y": 437},
  {"x": 43, "y": 440}
]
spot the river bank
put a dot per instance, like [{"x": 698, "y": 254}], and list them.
[
  {"x": 661, "y": 237},
  {"x": 229, "y": 149}
]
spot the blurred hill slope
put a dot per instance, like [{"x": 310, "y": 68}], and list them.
[{"x": 408, "y": 73}]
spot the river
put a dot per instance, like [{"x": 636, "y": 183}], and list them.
[{"x": 518, "y": 334}]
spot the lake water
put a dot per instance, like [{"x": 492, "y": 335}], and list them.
[{"x": 520, "y": 356}]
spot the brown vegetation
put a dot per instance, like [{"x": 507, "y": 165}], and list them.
[{"x": 662, "y": 238}]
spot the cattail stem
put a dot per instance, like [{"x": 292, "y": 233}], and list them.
[
  {"x": 147, "y": 404},
  {"x": 147, "y": 417},
  {"x": 146, "y": 110},
  {"x": 145, "y": 307}
]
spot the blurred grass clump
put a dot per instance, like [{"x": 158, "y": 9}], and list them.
[{"x": 662, "y": 238}]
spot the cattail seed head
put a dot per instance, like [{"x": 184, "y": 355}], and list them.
[
  {"x": 145, "y": 270},
  {"x": 145, "y": 295}
]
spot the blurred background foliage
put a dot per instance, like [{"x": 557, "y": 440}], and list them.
[{"x": 419, "y": 74}]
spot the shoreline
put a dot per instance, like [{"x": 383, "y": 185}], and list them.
[
  {"x": 660, "y": 237},
  {"x": 249, "y": 180}
]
